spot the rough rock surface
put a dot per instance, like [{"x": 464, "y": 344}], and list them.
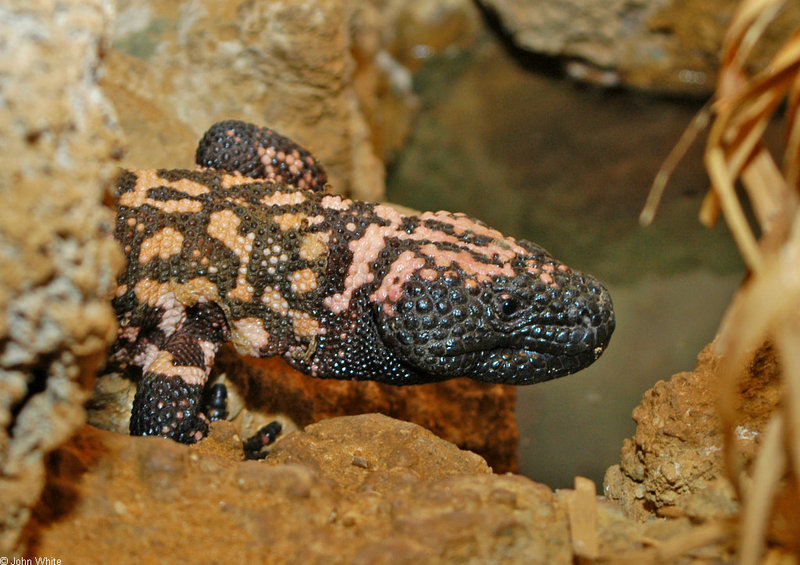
[
  {"x": 475, "y": 416},
  {"x": 673, "y": 465},
  {"x": 359, "y": 489},
  {"x": 323, "y": 73},
  {"x": 57, "y": 259},
  {"x": 287, "y": 64},
  {"x": 661, "y": 45},
  {"x": 355, "y": 489}
]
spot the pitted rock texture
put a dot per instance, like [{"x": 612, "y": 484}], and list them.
[
  {"x": 673, "y": 464},
  {"x": 333, "y": 75},
  {"x": 285, "y": 63},
  {"x": 58, "y": 260},
  {"x": 361, "y": 489}
]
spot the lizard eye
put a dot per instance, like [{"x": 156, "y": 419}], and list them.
[{"x": 507, "y": 306}]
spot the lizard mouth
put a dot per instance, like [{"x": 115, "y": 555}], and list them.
[
  {"x": 527, "y": 354},
  {"x": 529, "y": 358},
  {"x": 524, "y": 366}
]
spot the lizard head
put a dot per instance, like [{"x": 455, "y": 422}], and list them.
[{"x": 512, "y": 314}]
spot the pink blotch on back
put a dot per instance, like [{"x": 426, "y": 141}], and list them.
[
  {"x": 388, "y": 213},
  {"x": 249, "y": 336},
  {"x": 283, "y": 198},
  {"x": 467, "y": 261},
  {"x": 399, "y": 273},
  {"x": 333, "y": 202},
  {"x": 365, "y": 250},
  {"x": 500, "y": 248},
  {"x": 428, "y": 274}
]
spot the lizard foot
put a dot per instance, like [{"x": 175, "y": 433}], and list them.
[
  {"x": 254, "y": 445},
  {"x": 168, "y": 407}
]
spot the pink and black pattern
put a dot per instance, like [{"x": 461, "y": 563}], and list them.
[{"x": 340, "y": 288}]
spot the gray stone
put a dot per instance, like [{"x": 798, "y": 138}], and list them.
[{"x": 660, "y": 45}]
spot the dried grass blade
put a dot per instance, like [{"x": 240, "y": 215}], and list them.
[
  {"x": 747, "y": 144},
  {"x": 698, "y": 123},
  {"x": 709, "y": 210},
  {"x": 747, "y": 111},
  {"x": 747, "y": 25},
  {"x": 790, "y": 357},
  {"x": 696, "y": 538},
  {"x": 787, "y": 339},
  {"x": 749, "y": 318},
  {"x": 787, "y": 56},
  {"x": 791, "y": 156},
  {"x": 769, "y": 467},
  {"x": 766, "y": 188},
  {"x": 723, "y": 185},
  {"x": 582, "y": 506}
]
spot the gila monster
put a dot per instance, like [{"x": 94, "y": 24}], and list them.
[{"x": 252, "y": 249}]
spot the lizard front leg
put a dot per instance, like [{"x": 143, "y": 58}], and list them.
[{"x": 168, "y": 399}]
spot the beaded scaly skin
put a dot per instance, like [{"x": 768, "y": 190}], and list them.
[{"x": 340, "y": 288}]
